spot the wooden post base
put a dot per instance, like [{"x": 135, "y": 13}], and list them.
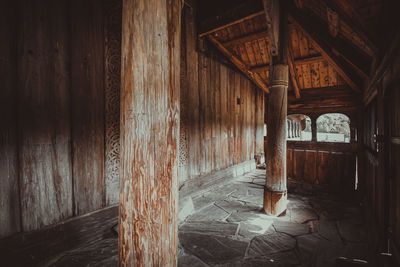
[{"x": 275, "y": 202}]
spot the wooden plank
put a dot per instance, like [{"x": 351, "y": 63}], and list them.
[
  {"x": 246, "y": 39},
  {"x": 9, "y": 191},
  {"x": 289, "y": 163},
  {"x": 297, "y": 62},
  {"x": 323, "y": 161},
  {"x": 237, "y": 113},
  {"x": 323, "y": 42},
  {"x": 305, "y": 68},
  {"x": 299, "y": 164},
  {"x": 225, "y": 117},
  {"x": 87, "y": 93},
  {"x": 308, "y": 60},
  {"x": 202, "y": 111},
  {"x": 192, "y": 82},
  {"x": 323, "y": 73},
  {"x": 240, "y": 65},
  {"x": 310, "y": 172},
  {"x": 149, "y": 128},
  {"x": 315, "y": 74},
  {"x": 44, "y": 114}
]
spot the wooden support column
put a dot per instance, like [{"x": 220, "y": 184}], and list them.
[
  {"x": 275, "y": 192},
  {"x": 149, "y": 133}
]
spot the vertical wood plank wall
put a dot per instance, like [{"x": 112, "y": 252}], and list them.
[
  {"x": 222, "y": 112},
  {"x": 9, "y": 195},
  {"x": 331, "y": 164},
  {"x": 60, "y": 76},
  {"x": 381, "y": 154}
]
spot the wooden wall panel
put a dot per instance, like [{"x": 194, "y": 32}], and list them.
[
  {"x": 223, "y": 111},
  {"x": 299, "y": 157},
  {"x": 9, "y": 195},
  {"x": 289, "y": 163},
  {"x": 310, "y": 168},
  {"x": 323, "y": 163},
  {"x": 87, "y": 92},
  {"x": 323, "y": 167},
  {"x": 44, "y": 115},
  {"x": 259, "y": 128},
  {"x": 55, "y": 74},
  {"x": 192, "y": 85}
]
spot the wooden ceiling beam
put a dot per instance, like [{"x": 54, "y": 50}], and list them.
[
  {"x": 297, "y": 61},
  {"x": 323, "y": 41},
  {"x": 248, "y": 17},
  {"x": 331, "y": 109},
  {"x": 348, "y": 14},
  {"x": 246, "y": 38},
  {"x": 253, "y": 76},
  {"x": 338, "y": 91},
  {"x": 293, "y": 73}
]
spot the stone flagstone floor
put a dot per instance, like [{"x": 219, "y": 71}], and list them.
[{"x": 229, "y": 228}]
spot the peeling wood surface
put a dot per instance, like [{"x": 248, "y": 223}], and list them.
[{"x": 149, "y": 133}]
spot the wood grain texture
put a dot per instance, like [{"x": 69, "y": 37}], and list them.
[
  {"x": 44, "y": 121},
  {"x": 149, "y": 132},
  {"x": 9, "y": 195},
  {"x": 87, "y": 94}
]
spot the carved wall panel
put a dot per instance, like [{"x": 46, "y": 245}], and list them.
[{"x": 113, "y": 21}]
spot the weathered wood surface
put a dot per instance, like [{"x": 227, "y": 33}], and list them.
[
  {"x": 87, "y": 86},
  {"x": 149, "y": 132},
  {"x": 44, "y": 116},
  {"x": 9, "y": 190},
  {"x": 222, "y": 111},
  {"x": 53, "y": 134}
]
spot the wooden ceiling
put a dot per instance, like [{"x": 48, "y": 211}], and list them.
[{"x": 330, "y": 47}]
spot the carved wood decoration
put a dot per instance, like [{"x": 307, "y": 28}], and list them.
[{"x": 112, "y": 56}]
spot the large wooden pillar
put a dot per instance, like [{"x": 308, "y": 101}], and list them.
[
  {"x": 149, "y": 133},
  {"x": 275, "y": 191}
]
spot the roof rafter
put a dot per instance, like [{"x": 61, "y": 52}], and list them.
[
  {"x": 297, "y": 61},
  {"x": 247, "y": 38},
  {"x": 348, "y": 14},
  {"x": 293, "y": 74},
  {"x": 253, "y": 76},
  {"x": 323, "y": 41}
]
